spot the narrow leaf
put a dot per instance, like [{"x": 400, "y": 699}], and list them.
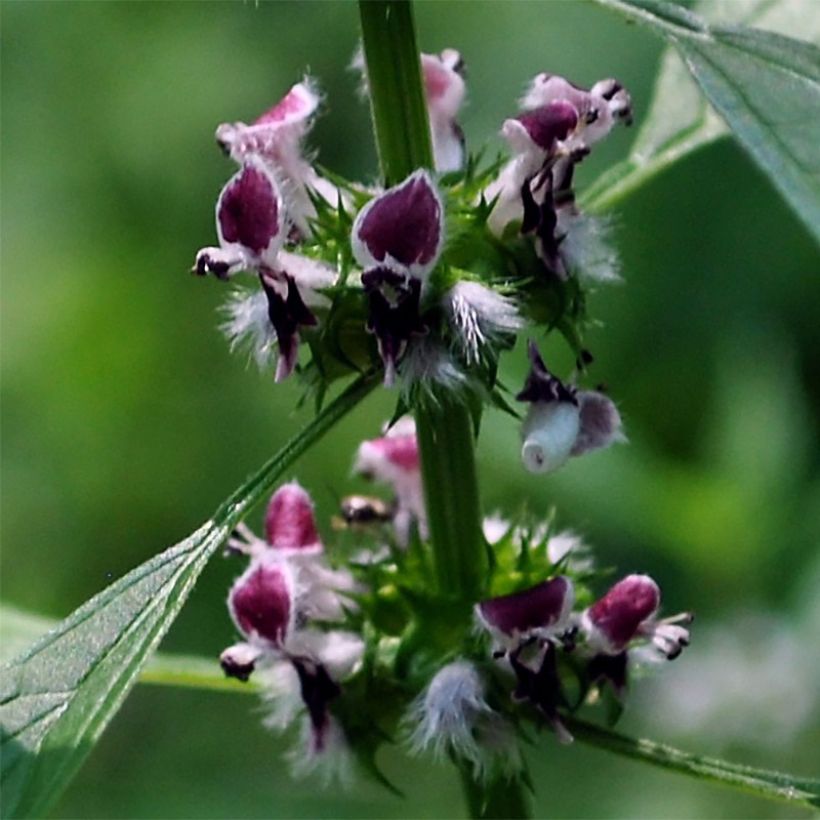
[
  {"x": 56, "y": 698},
  {"x": 760, "y": 782},
  {"x": 759, "y": 81}
]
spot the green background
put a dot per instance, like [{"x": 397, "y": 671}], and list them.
[{"x": 126, "y": 420}]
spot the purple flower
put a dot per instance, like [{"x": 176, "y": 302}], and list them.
[
  {"x": 536, "y": 139},
  {"x": 541, "y": 611},
  {"x": 444, "y": 90},
  {"x": 276, "y": 138},
  {"x": 401, "y": 229},
  {"x": 393, "y": 459},
  {"x": 397, "y": 238},
  {"x": 598, "y": 108},
  {"x": 261, "y": 603},
  {"x": 290, "y": 524},
  {"x": 624, "y": 617},
  {"x": 556, "y": 130},
  {"x": 250, "y": 223},
  {"x": 562, "y": 421},
  {"x": 274, "y": 603},
  {"x": 628, "y": 612}
]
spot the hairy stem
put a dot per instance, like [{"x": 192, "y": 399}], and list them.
[
  {"x": 445, "y": 429},
  {"x": 761, "y": 782}
]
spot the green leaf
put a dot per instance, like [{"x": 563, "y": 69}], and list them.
[
  {"x": 761, "y": 782},
  {"x": 57, "y": 697},
  {"x": 764, "y": 85}
]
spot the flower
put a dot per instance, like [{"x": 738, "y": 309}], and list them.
[
  {"x": 540, "y": 612},
  {"x": 251, "y": 225},
  {"x": 397, "y": 238},
  {"x": 444, "y": 90},
  {"x": 535, "y": 138},
  {"x": 556, "y": 130},
  {"x": 286, "y": 588},
  {"x": 626, "y": 613},
  {"x": 562, "y": 421},
  {"x": 393, "y": 459},
  {"x": 276, "y": 138}
]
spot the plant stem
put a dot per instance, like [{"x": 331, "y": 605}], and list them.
[
  {"x": 760, "y": 782},
  {"x": 396, "y": 95},
  {"x": 445, "y": 429},
  {"x": 445, "y": 434}
]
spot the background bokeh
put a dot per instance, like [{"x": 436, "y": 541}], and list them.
[{"x": 126, "y": 420}]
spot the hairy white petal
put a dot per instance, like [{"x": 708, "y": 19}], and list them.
[
  {"x": 445, "y": 714},
  {"x": 310, "y": 275},
  {"x": 248, "y": 324},
  {"x": 480, "y": 316},
  {"x": 333, "y": 763},
  {"x": 281, "y": 693},
  {"x": 339, "y": 651},
  {"x": 425, "y": 365}
]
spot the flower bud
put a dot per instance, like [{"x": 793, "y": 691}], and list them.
[
  {"x": 616, "y": 618},
  {"x": 549, "y": 434},
  {"x": 290, "y": 525}
]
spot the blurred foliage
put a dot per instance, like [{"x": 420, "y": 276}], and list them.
[{"x": 126, "y": 420}]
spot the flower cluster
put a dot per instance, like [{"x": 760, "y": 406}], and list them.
[
  {"x": 332, "y": 644},
  {"x": 429, "y": 280}
]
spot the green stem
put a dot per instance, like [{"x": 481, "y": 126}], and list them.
[
  {"x": 445, "y": 434},
  {"x": 445, "y": 429},
  {"x": 760, "y": 782},
  {"x": 396, "y": 94}
]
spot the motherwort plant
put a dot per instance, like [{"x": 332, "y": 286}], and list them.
[{"x": 421, "y": 626}]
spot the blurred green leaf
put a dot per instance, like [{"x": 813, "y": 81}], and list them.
[
  {"x": 759, "y": 81},
  {"x": 56, "y": 698}
]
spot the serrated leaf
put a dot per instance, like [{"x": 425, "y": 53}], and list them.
[
  {"x": 59, "y": 695},
  {"x": 760, "y": 83}
]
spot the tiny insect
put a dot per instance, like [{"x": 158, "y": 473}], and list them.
[{"x": 361, "y": 510}]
